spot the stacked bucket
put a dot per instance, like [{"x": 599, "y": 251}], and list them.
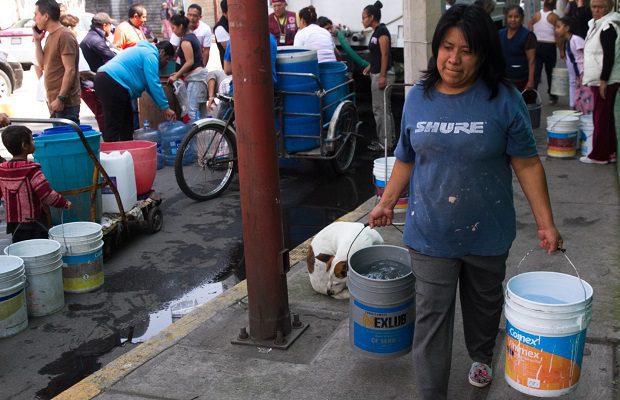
[
  {"x": 563, "y": 134},
  {"x": 13, "y": 314},
  {"x": 381, "y": 172},
  {"x": 82, "y": 249}
]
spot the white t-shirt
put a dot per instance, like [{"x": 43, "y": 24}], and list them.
[
  {"x": 203, "y": 33},
  {"x": 316, "y": 38},
  {"x": 221, "y": 35}
]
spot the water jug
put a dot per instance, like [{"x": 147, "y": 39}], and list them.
[
  {"x": 152, "y": 135},
  {"x": 119, "y": 167},
  {"x": 172, "y": 134}
]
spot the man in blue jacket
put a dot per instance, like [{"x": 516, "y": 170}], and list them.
[
  {"x": 94, "y": 46},
  {"x": 124, "y": 78}
]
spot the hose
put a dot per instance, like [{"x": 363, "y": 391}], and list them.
[{"x": 350, "y": 52}]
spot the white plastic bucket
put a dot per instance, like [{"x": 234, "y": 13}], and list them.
[
  {"x": 562, "y": 135},
  {"x": 381, "y": 173},
  {"x": 13, "y": 312},
  {"x": 586, "y": 127},
  {"x": 82, "y": 244},
  {"x": 381, "y": 311},
  {"x": 547, "y": 314},
  {"x": 43, "y": 264},
  {"x": 559, "y": 82}
]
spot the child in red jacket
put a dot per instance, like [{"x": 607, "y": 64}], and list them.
[{"x": 25, "y": 190}]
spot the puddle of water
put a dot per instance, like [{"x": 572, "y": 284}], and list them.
[{"x": 159, "y": 320}]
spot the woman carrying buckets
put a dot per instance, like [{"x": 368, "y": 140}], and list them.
[{"x": 462, "y": 223}]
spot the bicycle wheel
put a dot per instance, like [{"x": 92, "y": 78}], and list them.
[{"x": 206, "y": 161}]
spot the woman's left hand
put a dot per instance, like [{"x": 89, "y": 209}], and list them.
[
  {"x": 529, "y": 85},
  {"x": 382, "y": 82},
  {"x": 602, "y": 89},
  {"x": 172, "y": 78},
  {"x": 550, "y": 239}
]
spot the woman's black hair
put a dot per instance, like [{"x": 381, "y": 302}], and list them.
[
  {"x": 308, "y": 14},
  {"x": 14, "y": 137},
  {"x": 180, "y": 20},
  {"x": 374, "y": 10},
  {"x": 515, "y": 7},
  {"x": 323, "y": 22},
  {"x": 167, "y": 47},
  {"x": 483, "y": 40},
  {"x": 570, "y": 22}
]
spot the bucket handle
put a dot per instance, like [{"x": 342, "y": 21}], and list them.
[
  {"x": 563, "y": 251},
  {"x": 360, "y": 232},
  {"x": 538, "y": 98}
]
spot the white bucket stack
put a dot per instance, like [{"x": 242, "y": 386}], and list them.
[
  {"x": 559, "y": 82},
  {"x": 586, "y": 127},
  {"x": 82, "y": 249},
  {"x": 13, "y": 313},
  {"x": 562, "y": 132},
  {"x": 43, "y": 263},
  {"x": 547, "y": 314}
]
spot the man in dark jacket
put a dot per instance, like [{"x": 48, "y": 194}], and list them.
[
  {"x": 94, "y": 46},
  {"x": 97, "y": 52}
]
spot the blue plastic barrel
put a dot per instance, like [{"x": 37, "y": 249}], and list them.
[
  {"x": 332, "y": 74},
  {"x": 172, "y": 134},
  {"x": 300, "y": 60},
  {"x": 66, "y": 165}
]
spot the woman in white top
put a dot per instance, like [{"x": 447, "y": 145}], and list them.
[
  {"x": 543, "y": 26},
  {"x": 312, "y": 36}
]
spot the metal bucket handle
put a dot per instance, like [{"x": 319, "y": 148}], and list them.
[
  {"x": 360, "y": 232},
  {"x": 538, "y": 98},
  {"x": 563, "y": 251}
]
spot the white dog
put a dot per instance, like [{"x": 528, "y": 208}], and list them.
[{"x": 327, "y": 255}]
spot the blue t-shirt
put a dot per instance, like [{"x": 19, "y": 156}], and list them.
[
  {"x": 460, "y": 191},
  {"x": 273, "y": 51}
]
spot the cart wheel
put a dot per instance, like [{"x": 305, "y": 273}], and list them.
[
  {"x": 155, "y": 219},
  {"x": 343, "y": 123}
]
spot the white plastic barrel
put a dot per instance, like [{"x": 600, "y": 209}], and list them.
[
  {"x": 43, "y": 263},
  {"x": 547, "y": 314},
  {"x": 119, "y": 167},
  {"x": 381, "y": 311},
  {"x": 13, "y": 313}
]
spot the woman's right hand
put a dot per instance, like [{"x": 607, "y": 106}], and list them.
[{"x": 380, "y": 216}]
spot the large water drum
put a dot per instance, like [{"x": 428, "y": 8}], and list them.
[
  {"x": 332, "y": 74},
  {"x": 66, "y": 165},
  {"x": 547, "y": 314},
  {"x": 82, "y": 247},
  {"x": 562, "y": 133},
  {"x": 43, "y": 263},
  {"x": 13, "y": 314},
  {"x": 299, "y": 60},
  {"x": 382, "y": 303}
]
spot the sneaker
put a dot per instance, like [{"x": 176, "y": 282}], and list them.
[
  {"x": 588, "y": 160},
  {"x": 375, "y": 146},
  {"x": 480, "y": 374}
]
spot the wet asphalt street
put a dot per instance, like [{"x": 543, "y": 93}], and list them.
[{"x": 150, "y": 278}]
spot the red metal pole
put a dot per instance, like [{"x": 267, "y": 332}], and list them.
[{"x": 258, "y": 170}]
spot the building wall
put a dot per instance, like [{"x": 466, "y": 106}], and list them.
[{"x": 118, "y": 10}]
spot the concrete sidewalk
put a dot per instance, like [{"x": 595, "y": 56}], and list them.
[{"x": 194, "y": 359}]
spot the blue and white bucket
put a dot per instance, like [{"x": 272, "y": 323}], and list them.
[
  {"x": 547, "y": 314},
  {"x": 13, "y": 313},
  {"x": 381, "y": 311}
]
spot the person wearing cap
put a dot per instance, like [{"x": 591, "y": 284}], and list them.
[
  {"x": 96, "y": 50},
  {"x": 95, "y": 46},
  {"x": 283, "y": 24},
  {"x": 129, "y": 33}
]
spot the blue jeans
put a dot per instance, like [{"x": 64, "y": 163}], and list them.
[{"x": 72, "y": 113}]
